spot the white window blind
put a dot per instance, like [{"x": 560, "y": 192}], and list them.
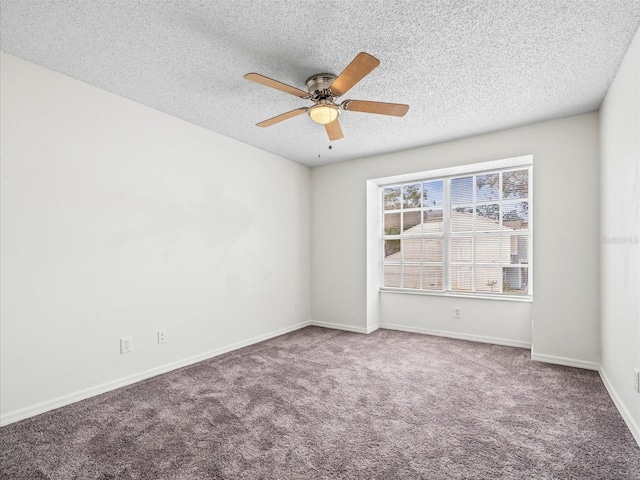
[{"x": 459, "y": 234}]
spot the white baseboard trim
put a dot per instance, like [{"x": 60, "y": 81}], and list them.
[
  {"x": 459, "y": 336},
  {"x": 48, "y": 405},
  {"x": 373, "y": 328},
  {"x": 565, "y": 361},
  {"x": 626, "y": 416},
  {"x": 347, "y": 328}
]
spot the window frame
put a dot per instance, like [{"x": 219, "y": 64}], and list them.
[{"x": 447, "y": 176}]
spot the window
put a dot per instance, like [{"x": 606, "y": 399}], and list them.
[{"x": 459, "y": 234}]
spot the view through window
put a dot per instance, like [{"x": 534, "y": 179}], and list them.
[{"x": 459, "y": 234}]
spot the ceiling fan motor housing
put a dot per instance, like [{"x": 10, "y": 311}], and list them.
[{"x": 319, "y": 83}]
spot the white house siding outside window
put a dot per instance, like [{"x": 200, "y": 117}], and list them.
[{"x": 459, "y": 234}]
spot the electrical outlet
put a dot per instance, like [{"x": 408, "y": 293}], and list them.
[
  {"x": 636, "y": 380},
  {"x": 126, "y": 345},
  {"x": 162, "y": 336},
  {"x": 456, "y": 312}
]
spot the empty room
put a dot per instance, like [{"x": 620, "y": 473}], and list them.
[{"x": 337, "y": 240}]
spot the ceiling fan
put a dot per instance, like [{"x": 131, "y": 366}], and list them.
[{"x": 324, "y": 88}]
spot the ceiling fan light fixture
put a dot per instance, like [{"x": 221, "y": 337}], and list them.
[
  {"x": 323, "y": 113},
  {"x": 323, "y": 89}
]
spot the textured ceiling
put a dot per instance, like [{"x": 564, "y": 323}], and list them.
[{"x": 464, "y": 67}]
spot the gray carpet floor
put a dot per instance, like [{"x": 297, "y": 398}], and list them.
[{"x": 324, "y": 404}]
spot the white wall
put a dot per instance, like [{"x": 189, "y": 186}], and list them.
[
  {"x": 620, "y": 229},
  {"x": 119, "y": 220},
  {"x": 565, "y": 307}
]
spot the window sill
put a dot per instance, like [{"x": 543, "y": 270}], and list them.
[{"x": 527, "y": 299}]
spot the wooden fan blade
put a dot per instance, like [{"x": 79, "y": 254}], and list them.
[
  {"x": 333, "y": 130},
  {"x": 270, "y": 82},
  {"x": 359, "y": 68},
  {"x": 282, "y": 117},
  {"x": 395, "y": 109}
]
